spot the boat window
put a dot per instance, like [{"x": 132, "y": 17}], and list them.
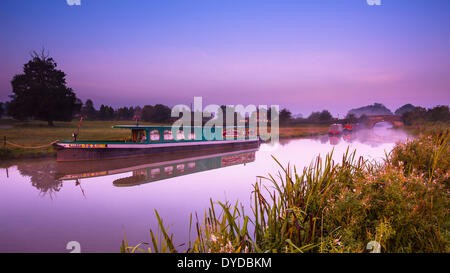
[
  {"x": 241, "y": 133},
  {"x": 154, "y": 135},
  {"x": 168, "y": 135},
  {"x": 192, "y": 136},
  {"x": 180, "y": 135},
  {"x": 138, "y": 136},
  {"x": 180, "y": 168},
  {"x": 134, "y": 135},
  {"x": 168, "y": 170},
  {"x": 144, "y": 137},
  {"x": 154, "y": 173},
  {"x": 140, "y": 173},
  {"x": 229, "y": 133}
]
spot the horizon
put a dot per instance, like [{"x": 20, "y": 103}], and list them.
[
  {"x": 252, "y": 52},
  {"x": 359, "y": 165}
]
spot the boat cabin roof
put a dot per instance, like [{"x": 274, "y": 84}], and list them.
[
  {"x": 137, "y": 127},
  {"x": 150, "y": 127}
]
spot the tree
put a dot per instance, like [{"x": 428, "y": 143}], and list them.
[
  {"x": 147, "y": 113},
  {"x": 2, "y": 111},
  {"x": 88, "y": 110},
  {"x": 131, "y": 112},
  {"x": 371, "y": 110},
  {"x": 162, "y": 113},
  {"x": 41, "y": 92},
  {"x": 439, "y": 113},
  {"x": 285, "y": 116},
  {"x": 325, "y": 115},
  {"x": 314, "y": 116},
  {"x": 158, "y": 113},
  {"x": 417, "y": 115},
  {"x": 405, "y": 108},
  {"x": 125, "y": 113},
  {"x": 351, "y": 118},
  {"x": 137, "y": 111},
  {"x": 106, "y": 112}
]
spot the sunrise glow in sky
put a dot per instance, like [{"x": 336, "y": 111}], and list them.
[{"x": 301, "y": 54}]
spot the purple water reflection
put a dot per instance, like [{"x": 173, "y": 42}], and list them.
[{"x": 39, "y": 212}]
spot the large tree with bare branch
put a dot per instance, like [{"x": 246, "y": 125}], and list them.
[{"x": 41, "y": 92}]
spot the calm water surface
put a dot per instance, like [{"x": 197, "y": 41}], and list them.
[{"x": 44, "y": 204}]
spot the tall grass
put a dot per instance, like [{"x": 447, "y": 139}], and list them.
[{"x": 402, "y": 204}]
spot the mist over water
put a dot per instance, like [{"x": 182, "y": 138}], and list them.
[
  {"x": 44, "y": 205},
  {"x": 382, "y": 129}
]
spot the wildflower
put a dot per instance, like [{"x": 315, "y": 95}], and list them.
[
  {"x": 229, "y": 245},
  {"x": 338, "y": 242}
]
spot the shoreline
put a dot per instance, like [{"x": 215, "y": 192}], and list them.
[
  {"x": 52, "y": 153},
  {"x": 26, "y": 134},
  {"x": 36, "y": 133}
]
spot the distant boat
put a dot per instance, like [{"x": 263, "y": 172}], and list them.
[
  {"x": 348, "y": 128},
  {"x": 156, "y": 140},
  {"x": 335, "y": 129}
]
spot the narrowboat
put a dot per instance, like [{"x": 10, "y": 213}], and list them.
[
  {"x": 348, "y": 128},
  {"x": 156, "y": 140}
]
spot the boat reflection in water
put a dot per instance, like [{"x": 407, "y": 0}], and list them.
[
  {"x": 146, "y": 170},
  {"x": 334, "y": 140}
]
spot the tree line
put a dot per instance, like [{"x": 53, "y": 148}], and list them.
[
  {"x": 440, "y": 113},
  {"x": 409, "y": 113},
  {"x": 41, "y": 93},
  {"x": 153, "y": 113}
]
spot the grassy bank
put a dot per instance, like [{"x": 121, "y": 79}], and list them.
[
  {"x": 303, "y": 130},
  {"x": 427, "y": 128},
  {"x": 353, "y": 205},
  {"x": 38, "y": 133}
]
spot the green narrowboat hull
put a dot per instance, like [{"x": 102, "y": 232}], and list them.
[
  {"x": 75, "y": 151},
  {"x": 156, "y": 140}
]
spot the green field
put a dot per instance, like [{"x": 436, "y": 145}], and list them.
[{"x": 37, "y": 133}]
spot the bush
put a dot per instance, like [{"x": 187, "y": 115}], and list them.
[{"x": 404, "y": 213}]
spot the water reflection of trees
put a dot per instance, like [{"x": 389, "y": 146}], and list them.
[{"x": 42, "y": 176}]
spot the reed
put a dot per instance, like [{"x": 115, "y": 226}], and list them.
[{"x": 402, "y": 204}]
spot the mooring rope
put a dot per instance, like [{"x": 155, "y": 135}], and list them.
[{"x": 28, "y": 147}]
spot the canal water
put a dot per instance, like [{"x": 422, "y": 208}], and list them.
[{"x": 44, "y": 204}]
